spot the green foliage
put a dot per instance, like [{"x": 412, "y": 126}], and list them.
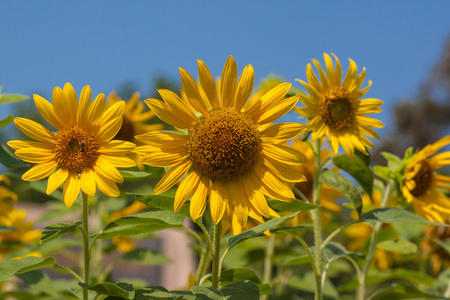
[
  {"x": 395, "y": 215},
  {"x": 6, "y": 121},
  {"x": 242, "y": 274},
  {"x": 57, "y": 230},
  {"x": 357, "y": 167},
  {"x": 38, "y": 281},
  {"x": 294, "y": 205},
  {"x": 10, "y": 160},
  {"x": 345, "y": 186},
  {"x": 153, "y": 292},
  {"x": 15, "y": 267},
  {"x": 121, "y": 289},
  {"x": 399, "y": 246},
  {"x": 146, "y": 257},
  {"x": 234, "y": 291},
  {"x": 161, "y": 202},
  {"x": 134, "y": 175},
  {"x": 141, "y": 223},
  {"x": 12, "y": 98}
]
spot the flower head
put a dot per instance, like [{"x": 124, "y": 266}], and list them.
[
  {"x": 81, "y": 153},
  {"x": 230, "y": 151},
  {"x": 335, "y": 109},
  {"x": 422, "y": 186}
]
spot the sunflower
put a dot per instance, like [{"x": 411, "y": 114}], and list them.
[
  {"x": 81, "y": 153},
  {"x": 229, "y": 153},
  {"x": 336, "y": 110},
  {"x": 422, "y": 186}
]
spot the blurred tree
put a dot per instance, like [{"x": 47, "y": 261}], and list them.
[{"x": 423, "y": 119}]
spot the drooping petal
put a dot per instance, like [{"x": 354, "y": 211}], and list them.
[
  {"x": 107, "y": 170},
  {"x": 186, "y": 189},
  {"x": 270, "y": 185},
  {"x": 198, "y": 200},
  {"x": 56, "y": 179},
  {"x": 108, "y": 187},
  {"x": 87, "y": 182},
  {"x": 217, "y": 197},
  {"x": 283, "y": 154},
  {"x": 71, "y": 189}
]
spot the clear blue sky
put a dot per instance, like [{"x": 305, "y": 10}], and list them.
[{"x": 106, "y": 43}]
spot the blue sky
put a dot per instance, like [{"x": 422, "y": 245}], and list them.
[{"x": 106, "y": 43}]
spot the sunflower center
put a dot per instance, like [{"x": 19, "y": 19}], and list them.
[
  {"x": 224, "y": 144},
  {"x": 422, "y": 179},
  {"x": 126, "y": 131},
  {"x": 75, "y": 149},
  {"x": 336, "y": 109}
]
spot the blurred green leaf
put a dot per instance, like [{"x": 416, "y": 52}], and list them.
[
  {"x": 258, "y": 230},
  {"x": 6, "y": 121},
  {"x": 162, "y": 202},
  {"x": 393, "y": 160},
  {"x": 399, "y": 291},
  {"x": 6, "y": 229},
  {"x": 241, "y": 274},
  {"x": 141, "y": 223},
  {"x": 182, "y": 295},
  {"x": 19, "y": 295},
  {"x": 8, "y": 159},
  {"x": 333, "y": 251},
  {"x": 295, "y": 231},
  {"x": 343, "y": 185},
  {"x": 38, "y": 281},
  {"x": 134, "y": 174},
  {"x": 57, "y": 230},
  {"x": 294, "y": 205},
  {"x": 395, "y": 215},
  {"x": 120, "y": 289},
  {"x": 399, "y": 246},
  {"x": 382, "y": 172},
  {"x": 11, "y": 98},
  {"x": 147, "y": 257},
  {"x": 240, "y": 290},
  {"x": 306, "y": 282},
  {"x": 297, "y": 261},
  {"x": 153, "y": 292},
  {"x": 14, "y": 267},
  {"x": 357, "y": 167},
  {"x": 41, "y": 186}
]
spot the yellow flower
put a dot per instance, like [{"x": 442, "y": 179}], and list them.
[
  {"x": 81, "y": 151},
  {"x": 233, "y": 149},
  {"x": 24, "y": 232},
  {"x": 422, "y": 185},
  {"x": 438, "y": 257},
  {"x": 336, "y": 110},
  {"x": 134, "y": 121}
]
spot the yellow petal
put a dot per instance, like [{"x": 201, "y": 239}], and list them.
[
  {"x": 35, "y": 155},
  {"x": 56, "y": 179},
  {"x": 166, "y": 158},
  {"x": 284, "y": 171},
  {"x": 228, "y": 83},
  {"x": 95, "y": 112},
  {"x": 87, "y": 182},
  {"x": 162, "y": 138},
  {"x": 110, "y": 129},
  {"x": 164, "y": 113},
  {"x": 83, "y": 106},
  {"x": 219, "y": 194},
  {"x": 240, "y": 210},
  {"x": 172, "y": 177},
  {"x": 257, "y": 198},
  {"x": 177, "y": 106},
  {"x": 244, "y": 87},
  {"x": 62, "y": 107},
  {"x": 16, "y": 145},
  {"x": 283, "y": 131},
  {"x": 46, "y": 110},
  {"x": 108, "y": 187},
  {"x": 116, "y": 147},
  {"x": 277, "y": 110},
  {"x": 113, "y": 112},
  {"x": 103, "y": 167},
  {"x": 120, "y": 161},
  {"x": 186, "y": 189},
  {"x": 71, "y": 189},
  {"x": 73, "y": 99},
  {"x": 270, "y": 185},
  {"x": 283, "y": 154},
  {"x": 198, "y": 200},
  {"x": 272, "y": 98},
  {"x": 39, "y": 171},
  {"x": 192, "y": 93},
  {"x": 34, "y": 130},
  {"x": 208, "y": 84}
]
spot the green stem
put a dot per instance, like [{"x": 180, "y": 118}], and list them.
[
  {"x": 311, "y": 256},
  {"x": 372, "y": 246},
  {"x": 267, "y": 273},
  {"x": 216, "y": 255},
  {"x": 316, "y": 221},
  {"x": 86, "y": 248},
  {"x": 70, "y": 272},
  {"x": 201, "y": 264}
]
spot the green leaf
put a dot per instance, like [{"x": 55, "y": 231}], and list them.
[
  {"x": 57, "y": 230},
  {"x": 14, "y": 267},
  {"x": 258, "y": 230},
  {"x": 400, "y": 291},
  {"x": 6, "y": 121},
  {"x": 382, "y": 172},
  {"x": 297, "y": 261},
  {"x": 19, "y": 295},
  {"x": 241, "y": 274},
  {"x": 147, "y": 257},
  {"x": 393, "y": 160},
  {"x": 306, "y": 282},
  {"x": 162, "y": 202},
  {"x": 8, "y": 159},
  {"x": 395, "y": 215},
  {"x": 153, "y": 292},
  {"x": 444, "y": 245},
  {"x": 234, "y": 291},
  {"x": 11, "y": 98},
  {"x": 41, "y": 186},
  {"x": 399, "y": 246},
  {"x": 357, "y": 167},
  {"x": 134, "y": 174},
  {"x": 343, "y": 185},
  {"x": 295, "y": 231},
  {"x": 294, "y": 205},
  {"x": 141, "y": 223},
  {"x": 120, "y": 289},
  {"x": 6, "y": 229},
  {"x": 38, "y": 281}
]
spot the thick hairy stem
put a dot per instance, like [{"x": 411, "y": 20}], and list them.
[{"x": 216, "y": 255}]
